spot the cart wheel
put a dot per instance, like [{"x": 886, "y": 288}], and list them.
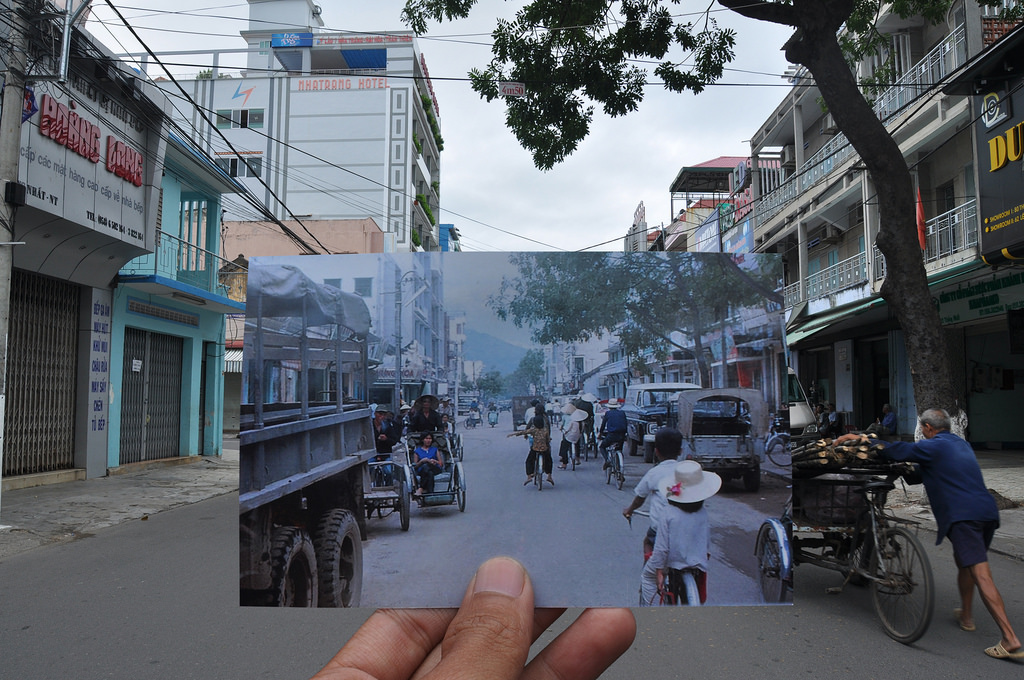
[
  {"x": 771, "y": 564},
  {"x": 460, "y": 490},
  {"x": 293, "y": 568},
  {"x": 339, "y": 553},
  {"x": 404, "y": 505},
  {"x": 902, "y": 585}
]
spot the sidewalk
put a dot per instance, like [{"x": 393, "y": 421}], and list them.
[
  {"x": 64, "y": 512},
  {"x": 43, "y": 515}
]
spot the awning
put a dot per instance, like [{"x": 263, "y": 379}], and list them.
[
  {"x": 233, "y": 361},
  {"x": 823, "y": 322}
]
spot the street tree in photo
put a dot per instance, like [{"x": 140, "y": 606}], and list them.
[
  {"x": 491, "y": 384},
  {"x": 650, "y": 302},
  {"x": 528, "y": 375},
  {"x": 578, "y": 54}
]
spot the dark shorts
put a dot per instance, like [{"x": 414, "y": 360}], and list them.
[{"x": 971, "y": 540}]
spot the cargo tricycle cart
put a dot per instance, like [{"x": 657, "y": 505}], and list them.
[{"x": 837, "y": 519}]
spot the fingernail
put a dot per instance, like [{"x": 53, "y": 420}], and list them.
[{"x": 500, "y": 575}]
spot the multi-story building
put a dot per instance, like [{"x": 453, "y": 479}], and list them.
[
  {"x": 116, "y": 316},
  {"x": 322, "y": 127},
  {"x": 819, "y": 213}
]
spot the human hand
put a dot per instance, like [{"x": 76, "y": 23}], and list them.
[{"x": 488, "y": 637}]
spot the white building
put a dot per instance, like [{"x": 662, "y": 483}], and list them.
[{"x": 322, "y": 127}]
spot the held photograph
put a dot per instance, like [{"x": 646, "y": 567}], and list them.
[{"x": 607, "y": 419}]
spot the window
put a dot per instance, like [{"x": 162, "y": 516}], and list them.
[
  {"x": 240, "y": 118},
  {"x": 264, "y": 47},
  {"x": 250, "y": 167},
  {"x": 363, "y": 286}
]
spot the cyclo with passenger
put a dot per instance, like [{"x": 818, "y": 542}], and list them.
[{"x": 439, "y": 476}]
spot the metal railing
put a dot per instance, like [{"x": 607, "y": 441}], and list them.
[
  {"x": 181, "y": 261},
  {"x": 952, "y": 232},
  {"x": 944, "y": 58},
  {"x": 845, "y": 274}
]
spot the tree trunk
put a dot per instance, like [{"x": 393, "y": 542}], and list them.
[{"x": 905, "y": 288}]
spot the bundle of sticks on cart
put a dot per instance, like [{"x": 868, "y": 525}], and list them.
[{"x": 825, "y": 454}]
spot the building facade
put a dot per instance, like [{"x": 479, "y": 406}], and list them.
[
  {"x": 819, "y": 213},
  {"x": 95, "y": 168},
  {"x": 322, "y": 127}
]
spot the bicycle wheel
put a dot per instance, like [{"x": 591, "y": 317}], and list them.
[
  {"x": 902, "y": 585},
  {"x": 538, "y": 478},
  {"x": 777, "y": 450},
  {"x": 770, "y": 564},
  {"x": 620, "y": 473},
  {"x": 690, "y": 584}
]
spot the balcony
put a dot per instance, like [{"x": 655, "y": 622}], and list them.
[
  {"x": 953, "y": 233},
  {"x": 182, "y": 270},
  {"x": 945, "y": 58}
]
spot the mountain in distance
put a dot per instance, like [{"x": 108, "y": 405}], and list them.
[{"x": 494, "y": 352}]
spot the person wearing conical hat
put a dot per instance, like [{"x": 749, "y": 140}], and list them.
[{"x": 684, "y": 536}]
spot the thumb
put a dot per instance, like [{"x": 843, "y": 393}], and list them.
[{"x": 490, "y": 636}]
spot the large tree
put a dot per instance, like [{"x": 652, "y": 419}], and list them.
[
  {"x": 650, "y": 304},
  {"x": 576, "y": 54}
]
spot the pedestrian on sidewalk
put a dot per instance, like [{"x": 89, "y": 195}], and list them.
[{"x": 966, "y": 514}]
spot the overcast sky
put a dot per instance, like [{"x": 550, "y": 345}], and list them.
[{"x": 489, "y": 187}]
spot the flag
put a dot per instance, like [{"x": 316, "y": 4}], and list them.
[{"x": 920, "y": 221}]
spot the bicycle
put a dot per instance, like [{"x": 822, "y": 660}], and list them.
[
  {"x": 616, "y": 467},
  {"x": 680, "y": 587},
  {"x": 839, "y": 522}
]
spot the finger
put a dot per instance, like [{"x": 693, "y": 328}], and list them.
[
  {"x": 491, "y": 634},
  {"x": 586, "y": 648},
  {"x": 391, "y": 645}
]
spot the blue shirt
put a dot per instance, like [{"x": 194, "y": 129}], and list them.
[
  {"x": 614, "y": 421},
  {"x": 952, "y": 478},
  {"x": 889, "y": 421}
]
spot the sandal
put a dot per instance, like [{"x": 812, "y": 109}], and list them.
[
  {"x": 969, "y": 627},
  {"x": 528, "y": 480},
  {"x": 551, "y": 481},
  {"x": 999, "y": 652},
  {"x": 561, "y": 467}
]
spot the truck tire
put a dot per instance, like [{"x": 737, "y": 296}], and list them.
[
  {"x": 292, "y": 568},
  {"x": 648, "y": 453},
  {"x": 632, "y": 447},
  {"x": 339, "y": 559}
]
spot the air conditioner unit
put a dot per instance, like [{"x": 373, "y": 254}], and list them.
[
  {"x": 830, "y": 235},
  {"x": 789, "y": 156},
  {"x": 828, "y": 125}
]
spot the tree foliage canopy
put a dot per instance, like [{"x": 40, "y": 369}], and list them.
[
  {"x": 650, "y": 302},
  {"x": 577, "y": 55}
]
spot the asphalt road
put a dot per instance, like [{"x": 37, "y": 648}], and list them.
[
  {"x": 572, "y": 537},
  {"x": 158, "y": 599}
]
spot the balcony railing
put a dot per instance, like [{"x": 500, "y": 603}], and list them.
[
  {"x": 180, "y": 261},
  {"x": 945, "y": 58},
  {"x": 952, "y": 232},
  {"x": 846, "y": 274}
]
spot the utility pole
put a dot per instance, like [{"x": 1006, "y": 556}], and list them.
[{"x": 10, "y": 151}]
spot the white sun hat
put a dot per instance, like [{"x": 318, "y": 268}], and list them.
[{"x": 689, "y": 483}]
